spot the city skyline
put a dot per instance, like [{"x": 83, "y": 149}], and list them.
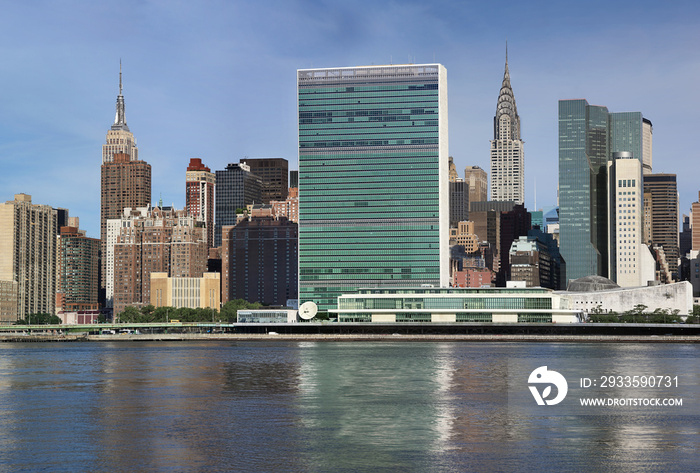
[{"x": 216, "y": 82}]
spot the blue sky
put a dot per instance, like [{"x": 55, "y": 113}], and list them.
[{"x": 216, "y": 80}]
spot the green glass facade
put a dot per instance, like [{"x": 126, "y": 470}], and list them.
[
  {"x": 588, "y": 136},
  {"x": 626, "y": 133},
  {"x": 583, "y": 151},
  {"x": 372, "y": 179}
]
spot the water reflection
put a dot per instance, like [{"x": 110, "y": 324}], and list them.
[{"x": 312, "y": 406}]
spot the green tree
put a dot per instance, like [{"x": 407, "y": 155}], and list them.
[
  {"x": 164, "y": 314},
  {"x": 130, "y": 314},
  {"x": 147, "y": 311},
  {"x": 40, "y": 319},
  {"x": 603, "y": 318},
  {"x": 230, "y": 309}
]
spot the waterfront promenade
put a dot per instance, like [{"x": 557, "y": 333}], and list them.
[{"x": 585, "y": 332}]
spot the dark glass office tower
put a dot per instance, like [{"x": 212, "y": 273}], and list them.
[{"x": 236, "y": 187}]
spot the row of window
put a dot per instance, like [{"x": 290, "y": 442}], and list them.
[
  {"x": 366, "y": 143},
  {"x": 460, "y": 317}
]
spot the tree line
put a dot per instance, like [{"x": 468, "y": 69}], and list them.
[
  {"x": 151, "y": 314},
  {"x": 638, "y": 314},
  {"x": 40, "y": 319}
]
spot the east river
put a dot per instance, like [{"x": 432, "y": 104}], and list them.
[{"x": 344, "y": 406}]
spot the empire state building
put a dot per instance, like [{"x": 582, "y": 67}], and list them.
[
  {"x": 125, "y": 182},
  {"x": 507, "y": 158}
]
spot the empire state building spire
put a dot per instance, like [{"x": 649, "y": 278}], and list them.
[
  {"x": 507, "y": 158},
  {"x": 119, "y": 140},
  {"x": 120, "y": 117}
]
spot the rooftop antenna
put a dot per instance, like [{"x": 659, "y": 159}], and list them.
[{"x": 535, "y": 192}]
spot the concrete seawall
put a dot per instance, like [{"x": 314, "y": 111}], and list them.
[{"x": 165, "y": 337}]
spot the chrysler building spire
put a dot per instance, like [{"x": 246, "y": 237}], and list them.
[
  {"x": 507, "y": 161},
  {"x": 506, "y": 106}
]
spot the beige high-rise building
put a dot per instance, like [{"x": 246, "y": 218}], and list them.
[
  {"x": 464, "y": 235},
  {"x": 161, "y": 241},
  {"x": 628, "y": 256},
  {"x": 695, "y": 224},
  {"x": 478, "y": 183},
  {"x": 452, "y": 170},
  {"x": 646, "y": 222},
  {"x": 647, "y": 132},
  {"x": 27, "y": 258}
]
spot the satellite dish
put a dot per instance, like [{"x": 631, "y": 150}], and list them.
[{"x": 308, "y": 310}]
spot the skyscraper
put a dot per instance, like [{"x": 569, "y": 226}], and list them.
[
  {"x": 274, "y": 173},
  {"x": 200, "y": 183},
  {"x": 695, "y": 224},
  {"x": 125, "y": 183},
  {"x": 259, "y": 261},
  {"x": 477, "y": 180},
  {"x": 77, "y": 282},
  {"x": 236, "y": 187},
  {"x": 514, "y": 224},
  {"x": 27, "y": 258},
  {"x": 459, "y": 202},
  {"x": 373, "y": 179},
  {"x": 583, "y": 155},
  {"x": 125, "y": 180},
  {"x": 663, "y": 193},
  {"x": 507, "y": 158},
  {"x": 629, "y": 259},
  {"x": 588, "y": 137},
  {"x": 647, "y": 132}
]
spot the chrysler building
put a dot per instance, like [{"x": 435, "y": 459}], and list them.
[{"x": 507, "y": 162}]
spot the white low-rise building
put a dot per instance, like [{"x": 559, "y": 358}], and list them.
[
  {"x": 596, "y": 293},
  {"x": 453, "y": 305}
]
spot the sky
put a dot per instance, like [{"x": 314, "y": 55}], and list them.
[{"x": 217, "y": 80}]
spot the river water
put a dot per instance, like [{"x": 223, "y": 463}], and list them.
[{"x": 338, "y": 406}]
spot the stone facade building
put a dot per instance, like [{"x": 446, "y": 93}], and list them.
[
  {"x": 200, "y": 184},
  {"x": 161, "y": 241}
]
